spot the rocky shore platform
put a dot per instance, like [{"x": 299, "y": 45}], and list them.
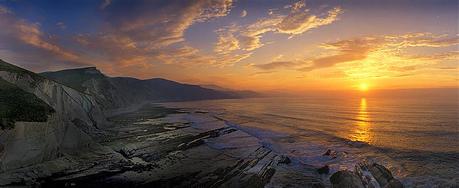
[{"x": 163, "y": 147}]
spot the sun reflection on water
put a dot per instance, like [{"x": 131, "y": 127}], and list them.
[{"x": 361, "y": 131}]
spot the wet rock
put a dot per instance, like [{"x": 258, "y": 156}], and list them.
[
  {"x": 259, "y": 180},
  {"x": 194, "y": 143},
  {"x": 345, "y": 179},
  {"x": 324, "y": 170},
  {"x": 284, "y": 160},
  {"x": 330, "y": 153},
  {"x": 394, "y": 183},
  {"x": 381, "y": 174}
]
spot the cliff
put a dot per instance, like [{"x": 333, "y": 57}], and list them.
[
  {"x": 73, "y": 117},
  {"x": 120, "y": 92}
]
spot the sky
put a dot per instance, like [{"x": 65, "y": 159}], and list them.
[{"x": 291, "y": 45}]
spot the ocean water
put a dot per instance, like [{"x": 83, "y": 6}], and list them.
[{"x": 417, "y": 138}]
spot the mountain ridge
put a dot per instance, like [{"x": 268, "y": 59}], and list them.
[{"x": 118, "y": 92}]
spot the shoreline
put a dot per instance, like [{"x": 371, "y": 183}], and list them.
[{"x": 172, "y": 148}]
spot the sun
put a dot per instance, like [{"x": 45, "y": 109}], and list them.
[{"x": 363, "y": 87}]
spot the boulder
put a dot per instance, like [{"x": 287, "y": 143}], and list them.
[
  {"x": 283, "y": 160},
  {"x": 394, "y": 183},
  {"x": 381, "y": 174},
  {"x": 324, "y": 170},
  {"x": 345, "y": 179}
]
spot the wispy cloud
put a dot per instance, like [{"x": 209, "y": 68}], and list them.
[
  {"x": 61, "y": 25},
  {"x": 347, "y": 50},
  {"x": 297, "y": 20},
  {"x": 4, "y": 10},
  {"x": 18, "y": 35},
  {"x": 277, "y": 65},
  {"x": 105, "y": 4},
  {"x": 243, "y": 13},
  {"x": 148, "y": 33},
  {"x": 386, "y": 45}
]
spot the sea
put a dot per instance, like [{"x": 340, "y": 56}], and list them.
[{"x": 415, "y": 136}]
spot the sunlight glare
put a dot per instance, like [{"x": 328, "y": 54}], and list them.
[{"x": 363, "y": 87}]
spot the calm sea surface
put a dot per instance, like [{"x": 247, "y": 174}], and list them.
[{"x": 416, "y": 137}]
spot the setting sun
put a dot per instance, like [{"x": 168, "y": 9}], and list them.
[{"x": 363, "y": 87}]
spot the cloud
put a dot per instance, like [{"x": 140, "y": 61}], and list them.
[
  {"x": 294, "y": 22},
  {"x": 297, "y": 6},
  {"x": 4, "y": 10},
  {"x": 384, "y": 49},
  {"x": 243, "y": 13},
  {"x": 402, "y": 68},
  {"x": 152, "y": 24},
  {"x": 298, "y": 23},
  {"x": 226, "y": 41},
  {"x": 421, "y": 40},
  {"x": 151, "y": 32},
  {"x": 105, "y": 4},
  {"x": 277, "y": 65},
  {"x": 32, "y": 35},
  {"x": 348, "y": 50},
  {"x": 61, "y": 25},
  {"x": 21, "y": 38},
  {"x": 447, "y": 56},
  {"x": 386, "y": 45}
]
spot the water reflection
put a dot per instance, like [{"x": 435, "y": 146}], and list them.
[{"x": 361, "y": 131}]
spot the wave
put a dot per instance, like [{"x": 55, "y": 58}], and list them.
[{"x": 407, "y": 164}]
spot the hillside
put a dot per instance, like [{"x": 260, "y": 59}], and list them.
[
  {"x": 44, "y": 116},
  {"x": 42, "y": 119},
  {"x": 118, "y": 92},
  {"x": 18, "y": 105}
]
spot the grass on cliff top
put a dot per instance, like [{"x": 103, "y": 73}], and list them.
[
  {"x": 75, "y": 78},
  {"x": 18, "y": 105}
]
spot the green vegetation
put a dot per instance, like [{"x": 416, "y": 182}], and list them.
[
  {"x": 18, "y": 105},
  {"x": 75, "y": 78}
]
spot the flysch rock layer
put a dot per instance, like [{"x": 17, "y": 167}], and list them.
[
  {"x": 67, "y": 130},
  {"x": 177, "y": 149}
]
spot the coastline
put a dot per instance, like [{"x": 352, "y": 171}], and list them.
[{"x": 166, "y": 147}]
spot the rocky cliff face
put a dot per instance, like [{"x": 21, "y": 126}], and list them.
[
  {"x": 80, "y": 99},
  {"x": 118, "y": 92},
  {"x": 76, "y": 116}
]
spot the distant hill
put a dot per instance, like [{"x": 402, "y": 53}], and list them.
[
  {"x": 118, "y": 92},
  {"x": 242, "y": 93}
]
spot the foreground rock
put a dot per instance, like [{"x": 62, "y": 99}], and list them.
[
  {"x": 174, "y": 149},
  {"x": 346, "y": 179},
  {"x": 365, "y": 175}
]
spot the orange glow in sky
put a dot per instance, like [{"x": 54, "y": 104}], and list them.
[{"x": 294, "y": 45}]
